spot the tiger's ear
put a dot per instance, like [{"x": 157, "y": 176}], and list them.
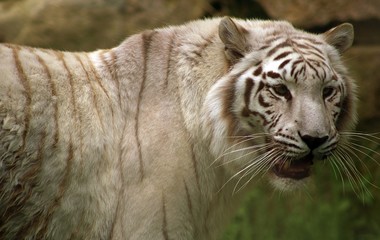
[
  {"x": 340, "y": 37},
  {"x": 234, "y": 38}
]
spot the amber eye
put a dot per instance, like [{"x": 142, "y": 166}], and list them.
[
  {"x": 328, "y": 92},
  {"x": 282, "y": 91}
]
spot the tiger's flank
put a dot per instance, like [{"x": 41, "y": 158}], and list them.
[{"x": 162, "y": 136}]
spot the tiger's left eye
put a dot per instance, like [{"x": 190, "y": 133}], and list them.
[
  {"x": 282, "y": 90},
  {"x": 328, "y": 92}
]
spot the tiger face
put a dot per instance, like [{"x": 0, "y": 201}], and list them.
[
  {"x": 295, "y": 98},
  {"x": 292, "y": 98}
]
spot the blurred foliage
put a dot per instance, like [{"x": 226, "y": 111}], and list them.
[{"x": 329, "y": 209}]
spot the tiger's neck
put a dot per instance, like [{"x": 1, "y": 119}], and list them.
[{"x": 174, "y": 164}]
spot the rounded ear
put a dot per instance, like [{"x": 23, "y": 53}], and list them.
[
  {"x": 234, "y": 39},
  {"x": 340, "y": 37}
]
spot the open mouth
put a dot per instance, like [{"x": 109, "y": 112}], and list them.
[{"x": 295, "y": 169}]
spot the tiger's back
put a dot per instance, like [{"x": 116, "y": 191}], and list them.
[
  {"x": 73, "y": 130},
  {"x": 120, "y": 143}
]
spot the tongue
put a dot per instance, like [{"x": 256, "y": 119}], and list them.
[{"x": 296, "y": 169}]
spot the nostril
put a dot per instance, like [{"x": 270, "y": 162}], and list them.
[{"x": 313, "y": 142}]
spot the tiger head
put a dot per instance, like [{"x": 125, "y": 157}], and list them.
[{"x": 283, "y": 102}]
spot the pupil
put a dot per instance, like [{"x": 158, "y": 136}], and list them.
[
  {"x": 281, "y": 90},
  {"x": 327, "y": 91}
]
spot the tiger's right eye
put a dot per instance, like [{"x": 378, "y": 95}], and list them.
[
  {"x": 282, "y": 91},
  {"x": 328, "y": 92}
]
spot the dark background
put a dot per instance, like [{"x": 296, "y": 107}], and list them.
[{"x": 329, "y": 208}]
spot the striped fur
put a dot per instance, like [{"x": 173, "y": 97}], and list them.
[{"x": 122, "y": 143}]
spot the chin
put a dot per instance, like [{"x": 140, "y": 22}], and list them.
[{"x": 285, "y": 184}]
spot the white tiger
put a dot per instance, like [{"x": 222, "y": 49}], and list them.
[{"x": 148, "y": 140}]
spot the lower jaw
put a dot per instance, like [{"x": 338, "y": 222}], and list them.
[{"x": 286, "y": 184}]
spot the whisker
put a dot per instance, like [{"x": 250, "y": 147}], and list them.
[
  {"x": 349, "y": 149},
  {"x": 335, "y": 168},
  {"x": 366, "y": 138},
  {"x": 366, "y": 148},
  {"x": 259, "y": 163},
  {"x": 226, "y": 151},
  {"x": 250, "y": 135},
  {"x": 247, "y": 139},
  {"x": 264, "y": 167},
  {"x": 354, "y": 136},
  {"x": 263, "y": 148},
  {"x": 263, "y": 163},
  {"x": 354, "y": 174},
  {"x": 343, "y": 166},
  {"x": 351, "y": 165},
  {"x": 246, "y": 148},
  {"x": 236, "y": 174},
  {"x": 359, "y": 133}
]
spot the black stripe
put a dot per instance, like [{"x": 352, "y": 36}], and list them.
[
  {"x": 53, "y": 90},
  {"x": 60, "y": 57},
  {"x": 28, "y": 93},
  {"x": 188, "y": 198},
  {"x": 168, "y": 63},
  {"x": 259, "y": 88},
  {"x": 274, "y": 75},
  {"x": 277, "y": 47},
  {"x": 275, "y": 122},
  {"x": 294, "y": 66},
  {"x": 195, "y": 167},
  {"x": 228, "y": 100},
  {"x": 121, "y": 190},
  {"x": 248, "y": 89},
  {"x": 190, "y": 206},
  {"x": 258, "y": 71},
  {"x": 283, "y": 64},
  {"x": 146, "y": 41},
  {"x": 164, "y": 220},
  {"x": 288, "y": 144},
  {"x": 30, "y": 176},
  {"x": 257, "y": 114},
  {"x": 116, "y": 214},
  {"x": 115, "y": 76},
  {"x": 93, "y": 91},
  {"x": 96, "y": 75},
  {"x": 262, "y": 102},
  {"x": 36, "y": 219},
  {"x": 308, "y": 47},
  {"x": 269, "y": 112},
  {"x": 310, "y": 52},
  {"x": 286, "y": 136},
  {"x": 313, "y": 41},
  {"x": 62, "y": 188},
  {"x": 282, "y": 55}
]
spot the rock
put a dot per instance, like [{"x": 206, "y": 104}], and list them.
[
  {"x": 88, "y": 24},
  {"x": 364, "y": 64},
  {"x": 306, "y": 13}
]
